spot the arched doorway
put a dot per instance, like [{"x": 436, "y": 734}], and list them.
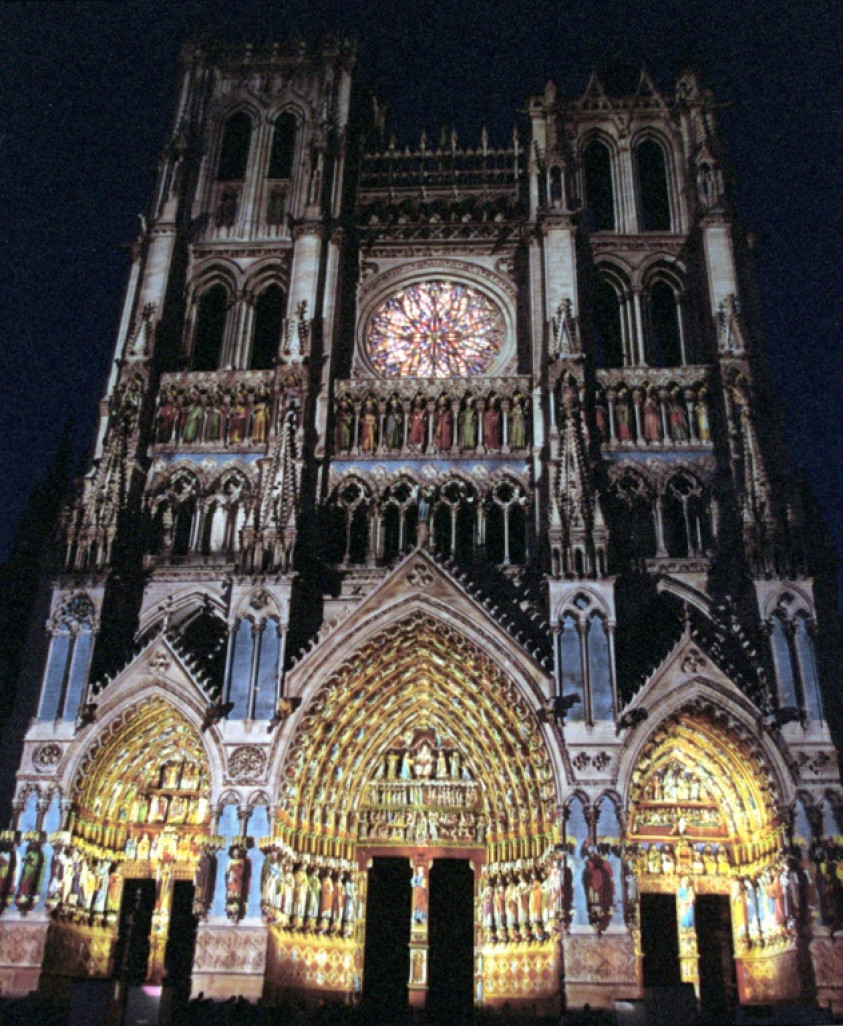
[
  {"x": 133, "y": 859},
  {"x": 418, "y": 747},
  {"x": 708, "y": 851}
]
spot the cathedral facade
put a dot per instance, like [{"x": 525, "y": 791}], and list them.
[{"x": 438, "y": 512}]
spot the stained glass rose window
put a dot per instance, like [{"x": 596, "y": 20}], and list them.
[{"x": 435, "y": 329}]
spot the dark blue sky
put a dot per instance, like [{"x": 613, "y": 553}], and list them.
[{"x": 86, "y": 91}]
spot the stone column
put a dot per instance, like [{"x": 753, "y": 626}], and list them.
[
  {"x": 417, "y": 984},
  {"x": 160, "y": 923},
  {"x": 689, "y": 962}
]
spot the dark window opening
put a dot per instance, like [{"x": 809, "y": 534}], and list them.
[
  {"x": 210, "y": 329},
  {"x": 269, "y": 318},
  {"x": 599, "y": 201},
  {"x": 665, "y": 338},
  {"x": 607, "y": 326},
  {"x": 182, "y": 529},
  {"x": 654, "y": 201},
  {"x": 234, "y": 154},
  {"x": 517, "y": 535},
  {"x": 495, "y": 534},
  {"x": 359, "y": 541},
  {"x": 283, "y": 147}
]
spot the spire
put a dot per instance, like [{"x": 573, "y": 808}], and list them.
[{"x": 579, "y": 536}]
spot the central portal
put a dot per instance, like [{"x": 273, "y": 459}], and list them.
[{"x": 419, "y": 946}]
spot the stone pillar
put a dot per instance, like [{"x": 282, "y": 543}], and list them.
[
  {"x": 417, "y": 984},
  {"x": 160, "y": 923},
  {"x": 689, "y": 963}
]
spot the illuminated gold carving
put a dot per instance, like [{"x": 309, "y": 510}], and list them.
[
  {"x": 140, "y": 808},
  {"x": 367, "y": 757},
  {"x": 701, "y": 803}
]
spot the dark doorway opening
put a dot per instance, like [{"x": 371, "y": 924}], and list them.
[
  {"x": 450, "y": 995},
  {"x": 386, "y": 965},
  {"x": 181, "y": 941},
  {"x": 660, "y": 940},
  {"x": 134, "y": 931},
  {"x": 718, "y": 981}
]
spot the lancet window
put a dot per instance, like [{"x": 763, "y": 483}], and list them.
[
  {"x": 599, "y": 192},
  {"x": 455, "y": 520},
  {"x": 68, "y": 663},
  {"x": 398, "y": 521},
  {"x": 234, "y": 151},
  {"x": 253, "y": 664},
  {"x": 505, "y": 528},
  {"x": 686, "y": 517},
  {"x": 653, "y": 195},
  {"x": 209, "y": 332},
  {"x": 268, "y": 324},
  {"x": 223, "y": 515},
  {"x": 584, "y": 660},
  {"x": 608, "y": 326},
  {"x": 283, "y": 147},
  {"x": 665, "y": 344},
  {"x": 633, "y": 535},
  {"x": 791, "y": 630}
]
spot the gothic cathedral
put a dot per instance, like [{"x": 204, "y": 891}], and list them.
[{"x": 437, "y": 514}]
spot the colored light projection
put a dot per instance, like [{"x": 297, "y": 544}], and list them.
[
  {"x": 435, "y": 329},
  {"x": 143, "y": 791},
  {"x": 418, "y": 739},
  {"x": 701, "y": 801}
]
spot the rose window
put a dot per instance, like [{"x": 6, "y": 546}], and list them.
[{"x": 435, "y": 329}]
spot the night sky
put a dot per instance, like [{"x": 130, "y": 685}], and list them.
[{"x": 86, "y": 92}]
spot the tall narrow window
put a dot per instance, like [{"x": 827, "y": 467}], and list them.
[
  {"x": 210, "y": 329},
  {"x": 653, "y": 198},
  {"x": 572, "y": 671},
  {"x": 269, "y": 315},
  {"x": 283, "y": 147},
  {"x": 599, "y": 201},
  {"x": 607, "y": 326},
  {"x": 665, "y": 337},
  {"x": 234, "y": 154}
]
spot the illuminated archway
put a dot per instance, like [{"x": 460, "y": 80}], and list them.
[
  {"x": 139, "y": 809},
  {"x": 419, "y": 745},
  {"x": 699, "y": 782},
  {"x": 417, "y": 676},
  {"x": 703, "y": 821}
]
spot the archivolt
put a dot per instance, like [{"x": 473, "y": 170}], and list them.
[
  {"x": 121, "y": 762},
  {"x": 417, "y": 673},
  {"x": 732, "y": 770}
]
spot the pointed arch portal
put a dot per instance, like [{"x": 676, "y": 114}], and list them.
[
  {"x": 419, "y": 746},
  {"x": 139, "y": 811},
  {"x": 704, "y": 831}
]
